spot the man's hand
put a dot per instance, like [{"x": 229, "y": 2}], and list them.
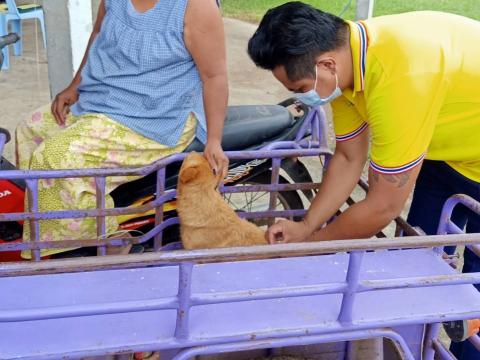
[
  {"x": 61, "y": 103},
  {"x": 217, "y": 159},
  {"x": 286, "y": 231}
]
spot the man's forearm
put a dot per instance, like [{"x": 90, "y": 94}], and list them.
[
  {"x": 339, "y": 180},
  {"x": 215, "y": 101},
  {"x": 362, "y": 220}
]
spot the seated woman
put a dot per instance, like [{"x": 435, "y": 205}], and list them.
[{"x": 152, "y": 79}]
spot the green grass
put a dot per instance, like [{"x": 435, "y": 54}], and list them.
[{"x": 253, "y": 10}]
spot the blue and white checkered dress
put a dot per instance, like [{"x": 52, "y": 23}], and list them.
[{"x": 140, "y": 73}]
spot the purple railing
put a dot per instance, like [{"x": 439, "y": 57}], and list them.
[
  {"x": 185, "y": 299},
  {"x": 314, "y": 124},
  {"x": 447, "y": 226}
]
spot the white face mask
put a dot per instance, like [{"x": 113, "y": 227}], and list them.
[{"x": 312, "y": 99}]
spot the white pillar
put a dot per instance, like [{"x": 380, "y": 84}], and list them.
[
  {"x": 95, "y": 5},
  {"x": 364, "y": 9},
  {"x": 69, "y": 24}
]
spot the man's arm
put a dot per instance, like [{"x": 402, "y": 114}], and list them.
[
  {"x": 205, "y": 39},
  {"x": 384, "y": 202},
  {"x": 61, "y": 104},
  {"x": 341, "y": 176}
]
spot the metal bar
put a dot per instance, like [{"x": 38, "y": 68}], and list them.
[
  {"x": 446, "y": 225},
  {"x": 431, "y": 334},
  {"x": 269, "y": 293},
  {"x": 268, "y": 187},
  {"x": 421, "y": 281},
  {"x": 270, "y": 214},
  {"x": 315, "y": 129},
  {"x": 440, "y": 351},
  {"x": 184, "y": 300},
  {"x": 323, "y": 130},
  {"x": 353, "y": 274},
  {"x": 282, "y": 145},
  {"x": 232, "y": 254},
  {"x": 452, "y": 228},
  {"x": 32, "y": 194},
  {"x": 3, "y": 141},
  {"x": 169, "y": 195},
  {"x": 85, "y": 213},
  {"x": 307, "y": 123},
  {"x": 160, "y": 190},
  {"x": 276, "y": 163},
  {"x": 475, "y": 340},
  {"x": 349, "y": 350},
  {"x": 166, "y": 303},
  {"x": 88, "y": 310},
  {"x": 296, "y": 341},
  {"x": 146, "y": 170},
  {"x": 15, "y": 246},
  {"x": 100, "y": 183},
  {"x": 475, "y": 249},
  {"x": 302, "y": 144}
]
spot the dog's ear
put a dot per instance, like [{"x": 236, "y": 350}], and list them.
[{"x": 188, "y": 174}]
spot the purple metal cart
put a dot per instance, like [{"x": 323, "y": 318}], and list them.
[{"x": 224, "y": 300}]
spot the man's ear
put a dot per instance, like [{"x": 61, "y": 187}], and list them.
[
  {"x": 327, "y": 63},
  {"x": 188, "y": 174}
]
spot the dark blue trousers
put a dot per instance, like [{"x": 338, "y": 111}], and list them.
[{"x": 436, "y": 183}]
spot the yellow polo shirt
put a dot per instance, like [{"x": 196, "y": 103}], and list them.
[{"x": 417, "y": 90}]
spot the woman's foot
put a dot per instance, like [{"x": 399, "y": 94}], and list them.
[{"x": 461, "y": 330}]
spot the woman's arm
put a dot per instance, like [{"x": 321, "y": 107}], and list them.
[
  {"x": 63, "y": 100},
  {"x": 205, "y": 40}
]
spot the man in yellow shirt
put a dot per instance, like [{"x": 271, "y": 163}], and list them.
[{"x": 409, "y": 83}]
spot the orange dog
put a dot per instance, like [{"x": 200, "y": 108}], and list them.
[{"x": 206, "y": 220}]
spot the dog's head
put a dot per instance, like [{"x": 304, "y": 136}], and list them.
[{"x": 196, "y": 170}]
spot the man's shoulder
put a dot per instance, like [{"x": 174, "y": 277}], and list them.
[{"x": 416, "y": 40}]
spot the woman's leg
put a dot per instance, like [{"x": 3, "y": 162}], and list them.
[
  {"x": 31, "y": 132},
  {"x": 94, "y": 141}
]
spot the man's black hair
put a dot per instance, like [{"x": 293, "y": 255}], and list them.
[{"x": 293, "y": 35}]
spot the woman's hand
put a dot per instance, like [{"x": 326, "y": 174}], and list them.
[
  {"x": 216, "y": 157},
  {"x": 62, "y": 102}
]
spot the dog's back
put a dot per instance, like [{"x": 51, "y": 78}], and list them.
[{"x": 206, "y": 220}]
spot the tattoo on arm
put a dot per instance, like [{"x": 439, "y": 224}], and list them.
[{"x": 400, "y": 179}]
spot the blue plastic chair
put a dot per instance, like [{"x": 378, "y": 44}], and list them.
[{"x": 15, "y": 15}]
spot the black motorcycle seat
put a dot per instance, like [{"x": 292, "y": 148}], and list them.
[
  {"x": 246, "y": 127},
  {"x": 250, "y": 125}
]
